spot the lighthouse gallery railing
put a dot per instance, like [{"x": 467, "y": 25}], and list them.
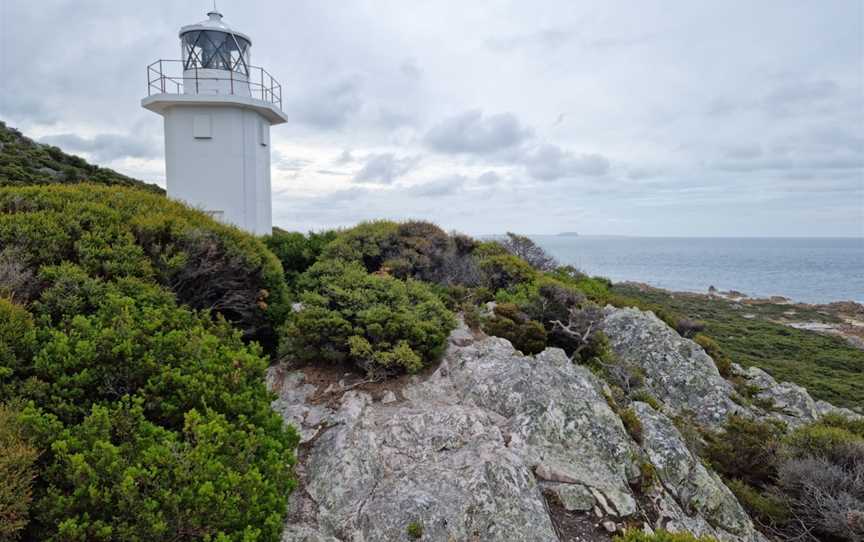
[{"x": 168, "y": 77}]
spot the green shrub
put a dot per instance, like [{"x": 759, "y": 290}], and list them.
[
  {"x": 154, "y": 418},
  {"x": 379, "y": 323},
  {"x": 471, "y": 315},
  {"x": 767, "y": 508},
  {"x": 645, "y": 396},
  {"x": 508, "y": 322},
  {"x": 820, "y": 440},
  {"x": 412, "y": 249},
  {"x": 647, "y": 475},
  {"x": 745, "y": 450},
  {"x": 17, "y": 470},
  {"x": 17, "y": 339},
  {"x": 296, "y": 251},
  {"x": 370, "y": 243},
  {"x": 119, "y": 476},
  {"x": 721, "y": 360},
  {"x": 112, "y": 233},
  {"x": 854, "y": 426},
  {"x": 415, "y": 530},
  {"x": 632, "y": 424},
  {"x": 136, "y": 341},
  {"x": 660, "y": 535},
  {"x": 504, "y": 271}
]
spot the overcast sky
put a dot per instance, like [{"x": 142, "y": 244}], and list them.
[{"x": 703, "y": 118}]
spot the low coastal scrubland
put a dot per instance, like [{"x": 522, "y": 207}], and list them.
[{"x": 136, "y": 333}]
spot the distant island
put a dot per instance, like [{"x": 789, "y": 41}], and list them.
[{"x": 568, "y": 234}]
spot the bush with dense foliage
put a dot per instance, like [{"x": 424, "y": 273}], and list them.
[
  {"x": 508, "y": 322},
  {"x": 17, "y": 470},
  {"x": 153, "y": 419},
  {"x": 25, "y": 162},
  {"x": 413, "y": 249},
  {"x": 116, "y": 232},
  {"x": 805, "y": 483},
  {"x": 745, "y": 449},
  {"x": 147, "y": 407},
  {"x": 296, "y": 251},
  {"x": 660, "y": 535},
  {"x": 379, "y": 323}
]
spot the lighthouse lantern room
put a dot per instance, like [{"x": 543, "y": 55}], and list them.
[{"x": 217, "y": 109}]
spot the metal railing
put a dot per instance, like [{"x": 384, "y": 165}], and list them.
[{"x": 170, "y": 77}]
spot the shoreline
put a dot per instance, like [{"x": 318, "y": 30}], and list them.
[{"x": 844, "y": 319}]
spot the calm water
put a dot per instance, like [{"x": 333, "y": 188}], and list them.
[{"x": 809, "y": 270}]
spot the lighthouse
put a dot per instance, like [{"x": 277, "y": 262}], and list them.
[{"x": 217, "y": 109}]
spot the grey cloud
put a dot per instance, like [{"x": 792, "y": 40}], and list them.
[
  {"x": 345, "y": 157},
  {"x": 555, "y": 38},
  {"x": 328, "y": 106},
  {"x": 384, "y": 168},
  {"x": 284, "y": 163},
  {"x": 641, "y": 172},
  {"x": 17, "y": 105},
  {"x": 743, "y": 152},
  {"x": 410, "y": 69},
  {"x": 472, "y": 132},
  {"x": 549, "y": 162},
  {"x": 546, "y": 38},
  {"x": 105, "y": 147},
  {"x": 799, "y": 164},
  {"x": 790, "y": 98},
  {"x": 489, "y": 178},
  {"x": 439, "y": 187},
  {"x": 803, "y": 92}
]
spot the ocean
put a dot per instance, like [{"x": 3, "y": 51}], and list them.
[{"x": 810, "y": 270}]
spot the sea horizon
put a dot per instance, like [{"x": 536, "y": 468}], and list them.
[{"x": 814, "y": 270}]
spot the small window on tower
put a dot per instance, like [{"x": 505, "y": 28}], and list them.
[
  {"x": 264, "y": 133},
  {"x": 201, "y": 127}
]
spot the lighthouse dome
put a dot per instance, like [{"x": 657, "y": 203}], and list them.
[{"x": 213, "y": 44}]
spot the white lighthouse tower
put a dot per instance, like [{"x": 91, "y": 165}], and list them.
[{"x": 218, "y": 110}]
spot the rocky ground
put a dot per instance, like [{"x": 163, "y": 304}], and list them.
[{"x": 493, "y": 445}]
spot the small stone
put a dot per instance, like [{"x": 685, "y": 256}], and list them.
[
  {"x": 574, "y": 497},
  {"x": 389, "y": 397},
  {"x": 609, "y": 526}
]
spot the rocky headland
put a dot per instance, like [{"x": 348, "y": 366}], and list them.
[{"x": 493, "y": 445}]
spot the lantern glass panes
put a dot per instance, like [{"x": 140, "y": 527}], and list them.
[{"x": 211, "y": 49}]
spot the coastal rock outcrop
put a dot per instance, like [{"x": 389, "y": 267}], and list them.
[
  {"x": 493, "y": 446},
  {"x": 685, "y": 379},
  {"x": 694, "y": 499},
  {"x": 677, "y": 371}
]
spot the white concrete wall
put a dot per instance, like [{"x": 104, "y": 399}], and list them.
[
  {"x": 216, "y": 82},
  {"x": 227, "y": 173}
]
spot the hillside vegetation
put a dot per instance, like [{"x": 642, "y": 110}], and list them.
[
  {"x": 25, "y": 162},
  {"x": 829, "y": 367},
  {"x": 132, "y": 400}
]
